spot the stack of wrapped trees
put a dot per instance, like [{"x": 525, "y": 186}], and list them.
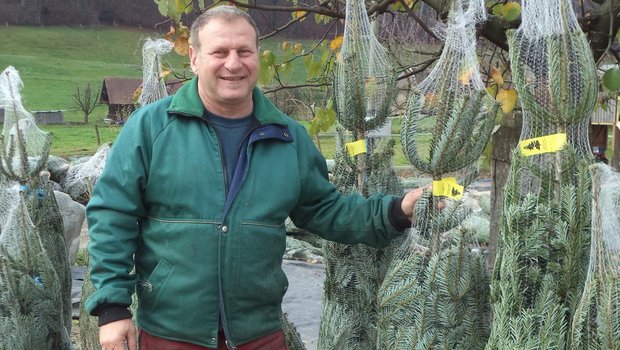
[{"x": 35, "y": 279}]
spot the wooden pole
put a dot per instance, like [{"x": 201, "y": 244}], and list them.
[
  {"x": 97, "y": 134},
  {"x": 615, "y": 138}
]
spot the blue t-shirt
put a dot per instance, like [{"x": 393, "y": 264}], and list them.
[{"x": 232, "y": 136}]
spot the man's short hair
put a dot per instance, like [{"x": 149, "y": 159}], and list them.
[{"x": 226, "y": 12}]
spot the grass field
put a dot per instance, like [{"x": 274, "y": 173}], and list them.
[{"x": 54, "y": 61}]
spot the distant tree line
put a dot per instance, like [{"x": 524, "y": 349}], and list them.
[{"x": 135, "y": 13}]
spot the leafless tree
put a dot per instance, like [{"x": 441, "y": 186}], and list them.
[{"x": 86, "y": 100}]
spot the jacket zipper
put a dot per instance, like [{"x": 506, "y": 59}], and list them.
[{"x": 222, "y": 307}]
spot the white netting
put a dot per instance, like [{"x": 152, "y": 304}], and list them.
[
  {"x": 9, "y": 200},
  {"x": 596, "y": 322},
  {"x": 545, "y": 18},
  {"x": 153, "y": 85},
  {"x": 402, "y": 30},
  {"x": 35, "y": 302},
  {"x": 364, "y": 87},
  {"x": 435, "y": 293},
  {"x": 554, "y": 71},
  {"x": 449, "y": 116},
  {"x": 545, "y": 225},
  {"x": 24, "y": 147},
  {"x": 81, "y": 178},
  {"x": 364, "y": 82}
]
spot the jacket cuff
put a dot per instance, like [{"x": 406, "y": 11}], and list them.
[
  {"x": 397, "y": 217},
  {"x": 108, "y": 313}
]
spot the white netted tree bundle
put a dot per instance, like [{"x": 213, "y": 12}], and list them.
[
  {"x": 364, "y": 81},
  {"x": 34, "y": 300},
  {"x": 81, "y": 178},
  {"x": 553, "y": 70},
  {"x": 24, "y": 147},
  {"x": 544, "y": 236},
  {"x": 435, "y": 293},
  {"x": 364, "y": 87},
  {"x": 596, "y": 324},
  {"x": 353, "y": 273},
  {"x": 153, "y": 85},
  {"x": 450, "y": 116}
]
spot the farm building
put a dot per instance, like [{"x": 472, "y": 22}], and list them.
[{"x": 120, "y": 93}]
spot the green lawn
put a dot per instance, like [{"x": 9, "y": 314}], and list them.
[{"x": 53, "y": 61}]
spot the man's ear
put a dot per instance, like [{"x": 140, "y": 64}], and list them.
[{"x": 192, "y": 58}]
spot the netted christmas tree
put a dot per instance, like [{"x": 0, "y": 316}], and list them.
[
  {"x": 35, "y": 279},
  {"x": 153, "y": 84},
  {"x": 364, "y": 88},
  {"x": 435, "y": 294},
  {"x": 596, "y": 322},
  {"x": 542, "y": 256}
]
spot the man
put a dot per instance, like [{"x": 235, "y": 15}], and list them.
[{"x": 195, "y": 195}]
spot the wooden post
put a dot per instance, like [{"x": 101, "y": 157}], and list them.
[
  {"x": 615, "y": 141},
  {"x": 615, "y": 137},
  {"x": 97, "y": 134}
]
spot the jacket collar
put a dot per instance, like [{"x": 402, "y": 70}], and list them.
[{"x": 187, "y": 102}]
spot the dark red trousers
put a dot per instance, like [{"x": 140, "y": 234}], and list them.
[{"x": 273, "y": 341}]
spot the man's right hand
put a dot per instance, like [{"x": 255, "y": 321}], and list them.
[{"x": 114, "y": 335}]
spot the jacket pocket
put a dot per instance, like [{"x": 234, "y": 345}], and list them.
[
  {"x": 150, "y": 289},
  {"x": 262, "y": 280}
]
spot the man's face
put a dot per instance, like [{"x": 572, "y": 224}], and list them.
[{"x": 226, "y": 64}]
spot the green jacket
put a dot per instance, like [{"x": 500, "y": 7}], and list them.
[{"x": 200, "y": 247}]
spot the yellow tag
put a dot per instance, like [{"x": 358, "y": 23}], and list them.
[
  {"x": 448, "y": 187},
  {"x": 544, "y": 144},
  {"x": 357, "y": 147}
]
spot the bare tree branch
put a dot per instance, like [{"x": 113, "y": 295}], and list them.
[
  {"x": 298, "y": 86},
  {"x": 321, "y": 8},
  {"x": 85, "y": 100}
]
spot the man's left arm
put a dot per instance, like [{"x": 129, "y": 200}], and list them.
[{"x": 346, "y": 218}]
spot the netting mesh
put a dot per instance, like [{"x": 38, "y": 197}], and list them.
[
  {"x": 24, "y": 147},
  {"x": 435, "y": 293},
  {"x": 544, "y": 235},
  {"x": 153, "y": 85},
  {"x": 364, "y": 81},
  {"x": 449, "y": 116},
  {"x": 9, "y": 199},
  {"x": 553, "y": 71},
  {"x": 400, "y": 29},
  {"x": 363, "y": 91},
  {"x": 35, "y": 280},
  {"x": 596, "y": 323},
  {"x": 81, "y": 178}
]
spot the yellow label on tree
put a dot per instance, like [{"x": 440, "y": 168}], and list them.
[
  {"x": 448, "y": 187},
  {"x": 544, "y": 144},
  {"x": 357, "y": 147}
]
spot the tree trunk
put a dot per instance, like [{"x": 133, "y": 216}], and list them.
[{"x": 504, "y": 141}]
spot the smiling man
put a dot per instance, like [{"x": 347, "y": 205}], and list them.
[{"x": 194, "y": 197}]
